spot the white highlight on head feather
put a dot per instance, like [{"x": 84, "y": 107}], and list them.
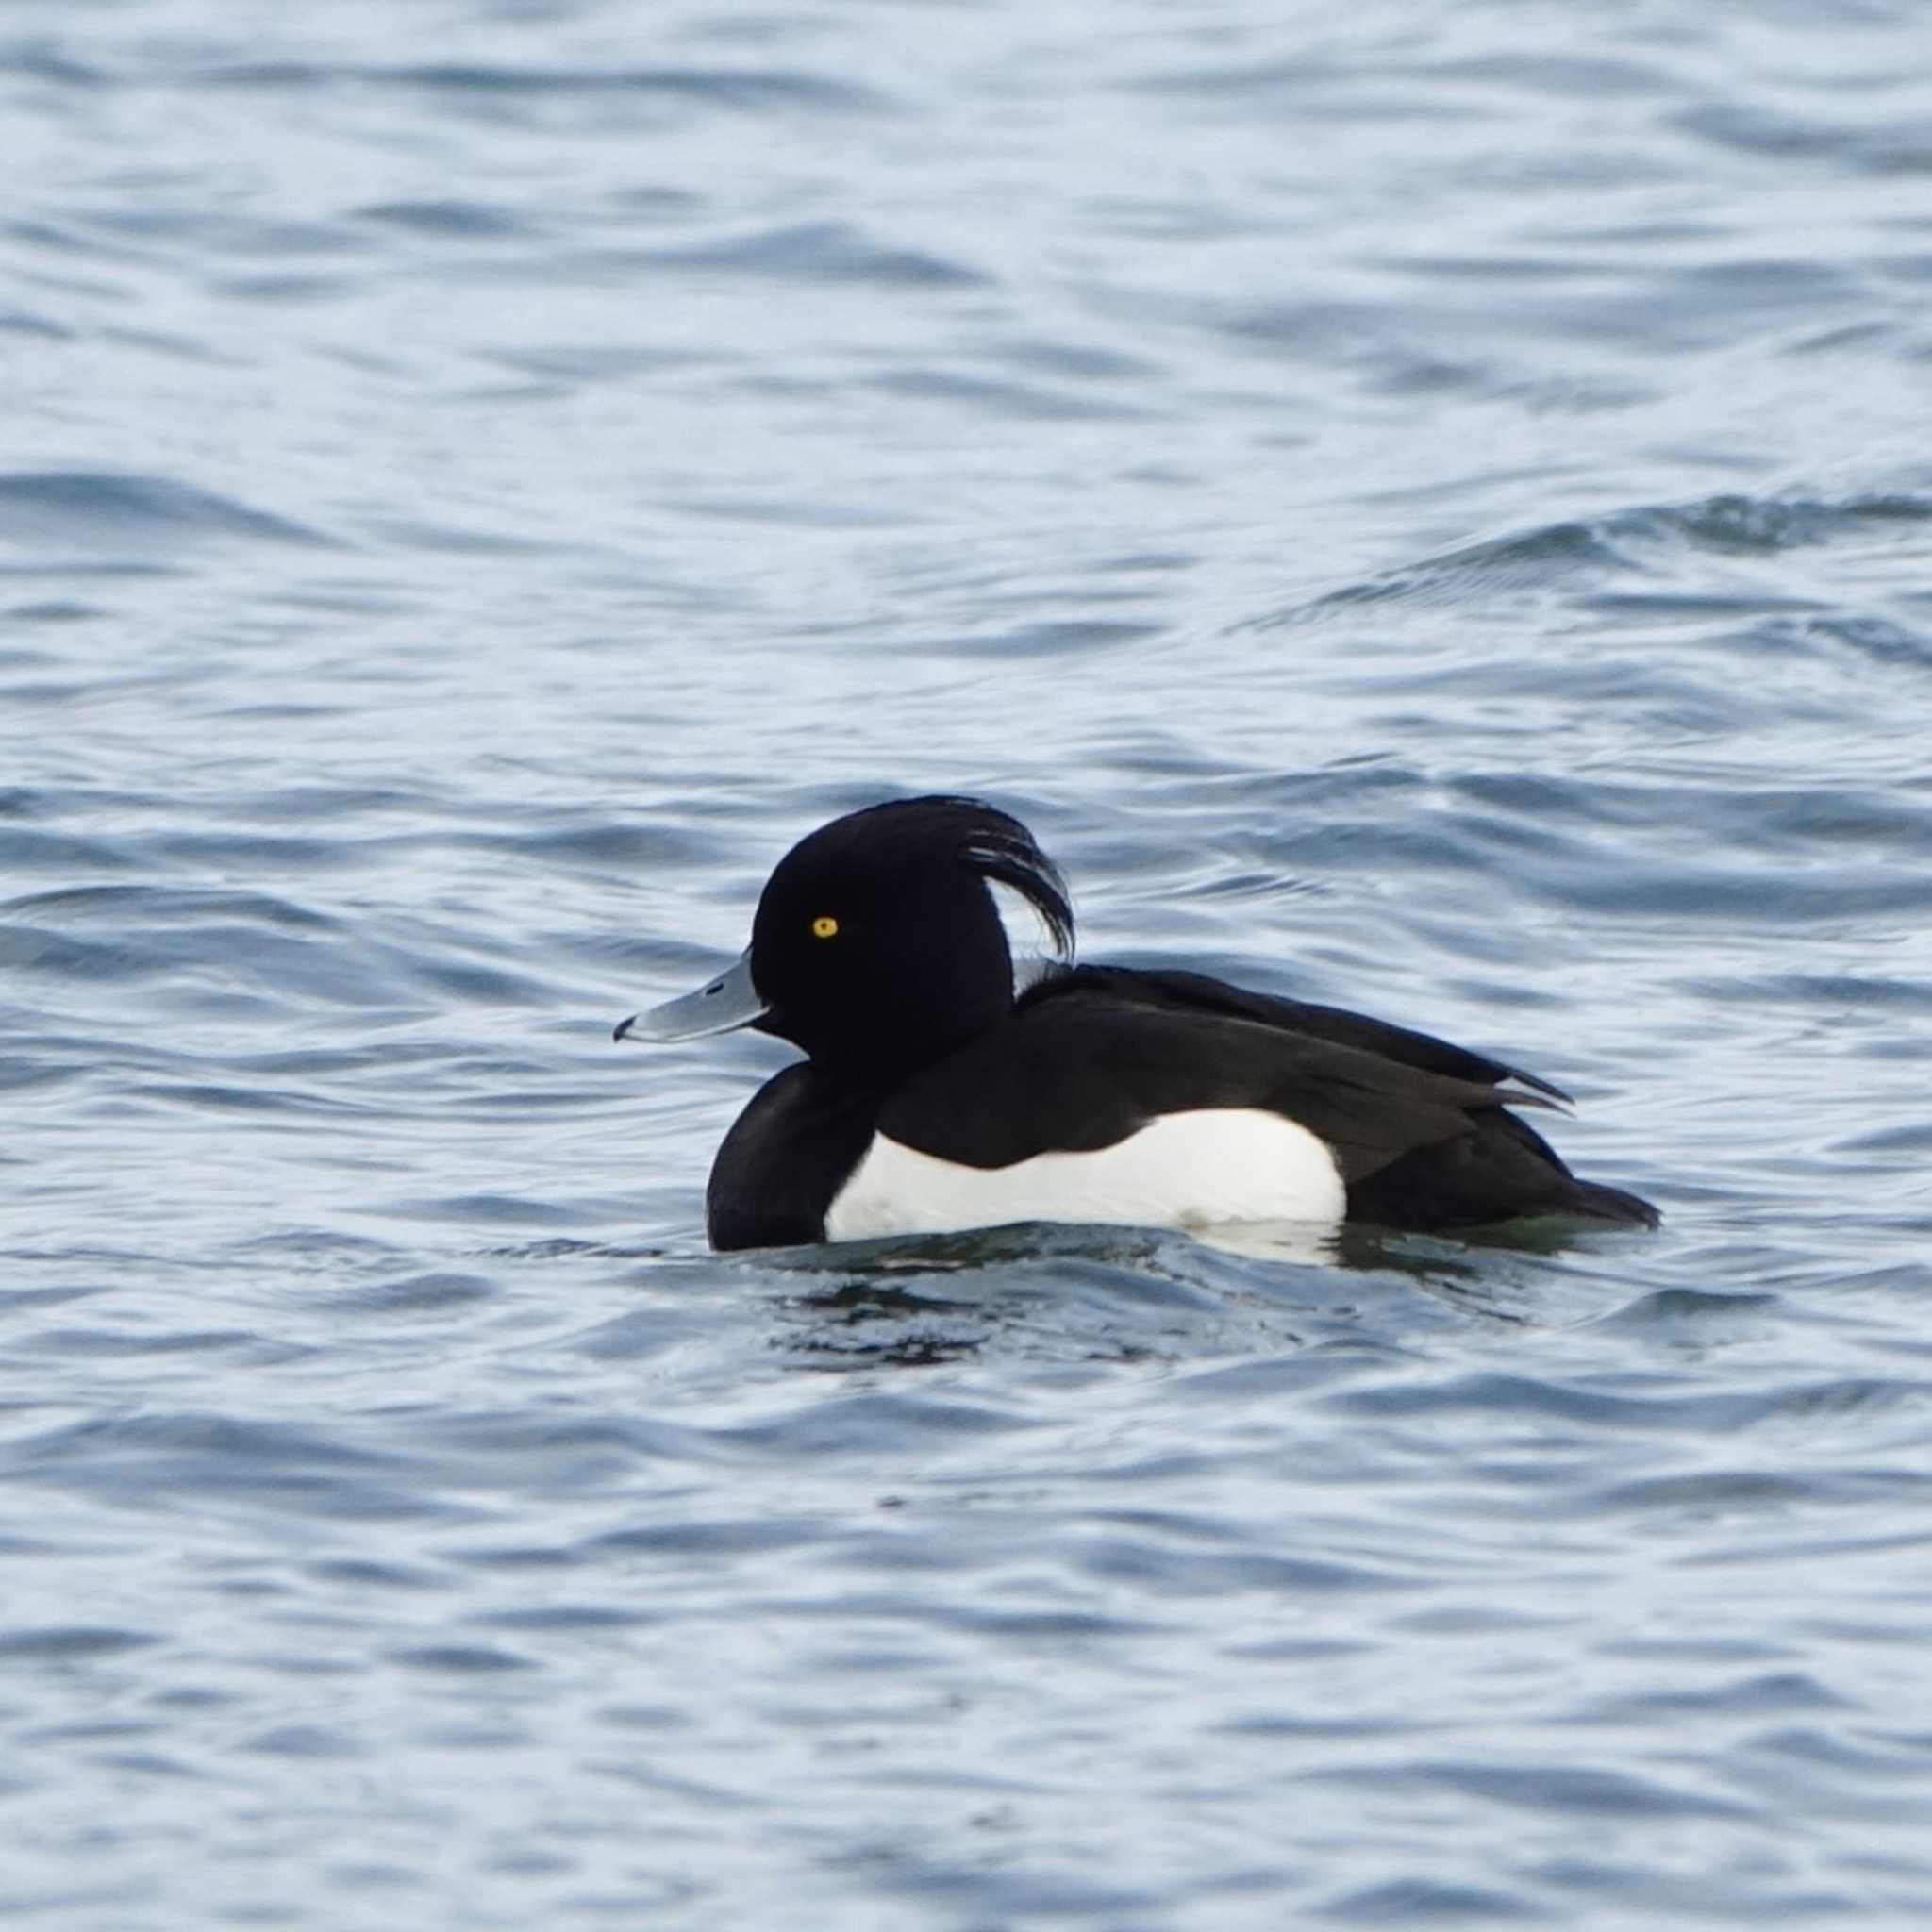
[
  {"x": 1182, "y": 1170},
  {"x": 1029, "y": 938}
]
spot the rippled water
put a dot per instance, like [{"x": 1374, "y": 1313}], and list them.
[{"x": 1425, "y": 505}]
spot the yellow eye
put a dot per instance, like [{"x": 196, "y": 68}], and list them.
[{"x": 824, "y": 926}]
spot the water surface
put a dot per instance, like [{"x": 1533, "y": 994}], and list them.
[{"x": 1424, "y": 509}]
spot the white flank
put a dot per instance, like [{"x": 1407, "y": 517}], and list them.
[{"x": 1183, "y": 1170}]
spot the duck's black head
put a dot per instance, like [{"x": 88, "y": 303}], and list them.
[{"x": 877, "y": 947}]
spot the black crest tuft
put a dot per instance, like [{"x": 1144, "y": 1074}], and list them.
[
  {"x": 982, "y": 837},
  {"x": 1000, "y": 848}
]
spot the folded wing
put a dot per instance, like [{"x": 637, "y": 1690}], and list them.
[{"x": 1420, "y": 1128}]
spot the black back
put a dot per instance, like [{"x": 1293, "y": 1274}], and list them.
[{"x": 1198, "y": 993}]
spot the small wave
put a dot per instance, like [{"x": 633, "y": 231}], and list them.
[
  {"x": 129, "y": 1460},
  {"x": 98, "y": 509},
  {"x": 71, "y": 1643},
  {"x": 1020, "y": 400},
  {"x": 1638, "y": 542},
  {"x": 818, "y": 252},
  {"x": 1863, "y": 142},
  {"x": 18, "y": 321},
  {"x": 449, "y": 220},
  {"x": 740, "y": 89},
  {"x": 118, "y": 906}
]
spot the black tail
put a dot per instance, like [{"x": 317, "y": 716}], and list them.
[
  {"x": 1609, "y": 1203},
  {"x": 1501, "y": 1170}
]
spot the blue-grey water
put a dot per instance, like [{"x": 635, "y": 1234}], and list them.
[{"x": 1426, "y": 505}]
